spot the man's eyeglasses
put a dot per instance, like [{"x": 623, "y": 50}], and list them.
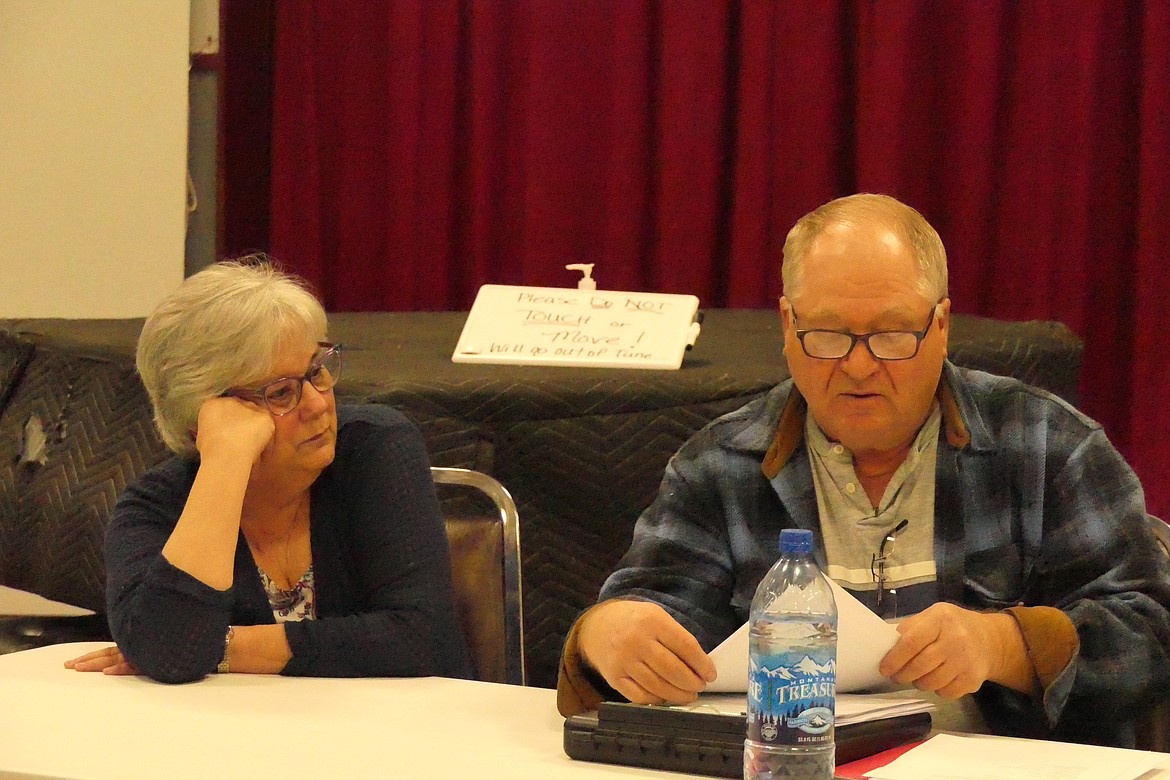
[
  {"x": 283, "y": 395},
  {"x": 882, "y": 344},
  {"x": 887, "y": 600}
]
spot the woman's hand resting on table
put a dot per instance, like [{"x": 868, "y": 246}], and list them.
[{"x": 108, "y": 660}]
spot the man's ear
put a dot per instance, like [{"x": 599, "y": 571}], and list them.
[
  {"x": 943, "y": 317},
  {"x": 785, "y": 313},
  {"x": 787, "y": 323}
]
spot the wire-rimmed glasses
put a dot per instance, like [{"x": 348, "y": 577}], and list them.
[
  {"x": 887, "y": 600},
  {"x": 883, "y": 344},
  {"x": 281, "y": 396}
]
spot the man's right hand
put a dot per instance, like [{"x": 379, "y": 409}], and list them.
[{"x": 644, "y": 653}]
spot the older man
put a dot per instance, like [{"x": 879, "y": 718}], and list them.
[{"x": 996, "y": 519}]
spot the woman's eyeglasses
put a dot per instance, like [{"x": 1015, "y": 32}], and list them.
[
  {"x": 887, "y": 600},
  {"x": 281, "y": 396}
]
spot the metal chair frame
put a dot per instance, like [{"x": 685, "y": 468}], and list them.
[
  {"x": 1153, "y": 731},
  {"x": 1161, "y": 533},
  {"x": 513, "y": 595}
]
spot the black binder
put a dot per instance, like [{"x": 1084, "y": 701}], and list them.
[{"x": 708, "y": 743}]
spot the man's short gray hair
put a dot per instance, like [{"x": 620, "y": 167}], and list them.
[
  {"x": 904, "y": 221},
  {"x": 222, "y": 328}
]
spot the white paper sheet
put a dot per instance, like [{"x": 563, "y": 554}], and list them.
[
  {"x": 950, "y": 757},
  {"x": 19, "y": 602},
  {"x": 863, "y": 639},
  {"x": 849, "y": 707}
]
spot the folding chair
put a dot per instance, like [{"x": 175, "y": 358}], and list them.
[
  {"x": 1153, "y": 730},
  {"x": 485, "y": 570}
]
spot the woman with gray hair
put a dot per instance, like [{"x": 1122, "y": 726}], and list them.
[{"x": 288, "y": 535}]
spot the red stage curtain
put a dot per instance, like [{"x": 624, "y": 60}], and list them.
[{"x": 422, "y": 148}]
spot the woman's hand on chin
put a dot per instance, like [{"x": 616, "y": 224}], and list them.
[{"x": 233, "y": 426}]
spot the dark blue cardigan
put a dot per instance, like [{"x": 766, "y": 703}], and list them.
[{"x": 381, "y": 569}]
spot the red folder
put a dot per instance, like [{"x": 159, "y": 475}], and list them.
[{"x": 855, "y": 770}]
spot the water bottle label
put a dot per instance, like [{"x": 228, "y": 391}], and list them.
[{"x": 790, "y": 697}]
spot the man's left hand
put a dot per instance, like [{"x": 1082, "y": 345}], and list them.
[{"x": 952, "y": 651}]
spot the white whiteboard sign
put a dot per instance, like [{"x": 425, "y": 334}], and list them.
[{"x": 554, "y": 326}]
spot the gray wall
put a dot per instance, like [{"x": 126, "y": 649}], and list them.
[{"x": 93, "y": 155}]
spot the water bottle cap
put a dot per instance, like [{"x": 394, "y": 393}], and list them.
[{"x": 796, "y": 540}]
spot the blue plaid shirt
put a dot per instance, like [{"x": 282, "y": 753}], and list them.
[{"x": 1033, "y": 506}]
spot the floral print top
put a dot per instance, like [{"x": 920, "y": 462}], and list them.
[{"x": 297, "y": 603}]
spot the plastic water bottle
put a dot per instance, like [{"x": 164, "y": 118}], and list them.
[{"x": 792, "y": 668}]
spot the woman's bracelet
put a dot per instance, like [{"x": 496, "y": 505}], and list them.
[{"x": 227, "y": 640}]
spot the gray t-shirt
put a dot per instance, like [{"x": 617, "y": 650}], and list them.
[{"x": 853, "y": 528}]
